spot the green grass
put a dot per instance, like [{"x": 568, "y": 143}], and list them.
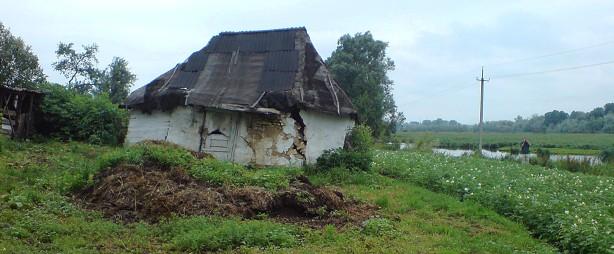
[
  {"x": 37, "y": 213},
  {"x": 573, "y": 211},
  {"x": 558, "y": 143}
]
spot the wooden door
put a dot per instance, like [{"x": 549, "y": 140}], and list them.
[{"x": 219, "y": 134}]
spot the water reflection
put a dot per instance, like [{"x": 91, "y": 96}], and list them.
[{"x": 594, "y": 160}]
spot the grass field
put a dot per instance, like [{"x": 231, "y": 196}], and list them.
[
  {"x": 38, "y": 214},
  {"x": 557, "y": 143}
]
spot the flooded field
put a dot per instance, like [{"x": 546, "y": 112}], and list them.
[
  {"x": 498, "y": 155},
  {"x": 594, "y": 160}
]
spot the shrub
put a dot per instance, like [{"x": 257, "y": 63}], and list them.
[
  {"x": 377, "y": 227},
  {"x": 360, "y": 139},
  {"x": 607, "y": 155},
  {"x": 542, "y": 159},
  {"x": 575, "y": 165},
  {"x": 426, "y": 143},
  {"x": 357, "y": 154},
  {"x": 352, "y": 160},
  {"x": 70, "y": 116}
]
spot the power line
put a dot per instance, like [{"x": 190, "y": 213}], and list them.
[
  {"x": 440, "y": 92},
  {"x": 557, "y": 53},
  {"x": 562, "y": 52},
  {"x": 553, "y": 70}
]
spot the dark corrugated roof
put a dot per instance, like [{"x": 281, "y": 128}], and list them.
[
  {"x": 236, "y": 68},
  {"x": 253, "y": 42}
]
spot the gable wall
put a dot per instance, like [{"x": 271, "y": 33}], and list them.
[{"x": 323, "y": 132}]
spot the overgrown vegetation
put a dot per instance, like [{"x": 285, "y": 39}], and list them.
[
  {"x": 207, "y": 169},
  {"x": 607, "y": 155},
  {"x": 357, "y": 154},
  {"x": 67, "y": 115},
  {"x": 38, "y": 214},
  {"x": 231, "y": 174},
  {"x": 572, "y": 211}
]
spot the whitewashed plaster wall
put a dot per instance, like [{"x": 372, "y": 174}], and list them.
[
  {"x": 323, "y": 132},
  {"x": 144, "y": 126},
  {"x": 255, "y": 139}
]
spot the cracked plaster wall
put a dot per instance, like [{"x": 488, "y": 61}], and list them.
[{"x": 285, "y": 139}]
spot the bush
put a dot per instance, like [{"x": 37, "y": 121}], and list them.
[
  {"x": 574, "y": 165},
  {"x": 357, "y": 154},
  {"x": 426, "y": 143},
  {"x": 352, "y": 160},
  {"x": 377, "y": 227},
  {"x": 542, "y": 159},
  {"x": 360, "y": 139},
  {"x": 607, "y": 155},
  {"x": 70, "y": 116}
]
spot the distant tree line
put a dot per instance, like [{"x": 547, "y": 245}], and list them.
[{"x": 598, "y": 120}]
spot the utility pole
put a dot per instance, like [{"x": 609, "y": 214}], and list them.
[{"x": 481, "y": 107}]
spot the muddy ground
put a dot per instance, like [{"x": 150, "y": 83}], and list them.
[{"x": 130, "y": 193}]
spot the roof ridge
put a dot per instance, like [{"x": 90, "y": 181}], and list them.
[{"x": 264, "y": 31}]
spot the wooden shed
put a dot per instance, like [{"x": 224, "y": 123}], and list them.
[{"x": 17, "y": 111}]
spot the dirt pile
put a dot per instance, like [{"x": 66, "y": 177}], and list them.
[{"x": 133, "y": 193}]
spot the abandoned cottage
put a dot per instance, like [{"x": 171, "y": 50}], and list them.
[{"x": 258, "y": 97}]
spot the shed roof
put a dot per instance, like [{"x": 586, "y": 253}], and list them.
[{"x": 249, "y": 71}]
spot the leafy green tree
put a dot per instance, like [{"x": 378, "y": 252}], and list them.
[
  {"x": 360, "y": 65},
  {"x": 608, "y": 108},
  {"x": 78, "y": 67},
  {"x": 597, "y": 113},
  {"x": 555, "y": 117},
  {"x": 18, "y": 65},
  {"x": 85, "y": 78},
  {"x": 578, "y": 115},
  {"x": 116, "y": 80},
  {"x": 608, "y": 123}
]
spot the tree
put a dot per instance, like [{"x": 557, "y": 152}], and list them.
[
  {"x": 578, "y": 115},
  {"x": 18, "y": 65},
  {"x": 85, "y": 78},
  {"x": 597, "y": 113},
  {"x": 78, "y": 67},
  {"x": 360, "y": 65},
  {"x": 555, "y": 117},
  {"x": 116, "y": 80},
  {"x": 608, "y": 123},
  {"x": 608, "y": 108}
]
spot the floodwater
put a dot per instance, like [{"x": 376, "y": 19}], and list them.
[{"x": 498, "y": 155}]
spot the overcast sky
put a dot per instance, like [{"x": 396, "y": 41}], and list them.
[{"x": 438, "y": 46}]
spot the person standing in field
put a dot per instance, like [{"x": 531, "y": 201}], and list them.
[{"x": 524, "y": 146}]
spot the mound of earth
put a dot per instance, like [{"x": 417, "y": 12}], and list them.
[{"x": 132, "y": 193}]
